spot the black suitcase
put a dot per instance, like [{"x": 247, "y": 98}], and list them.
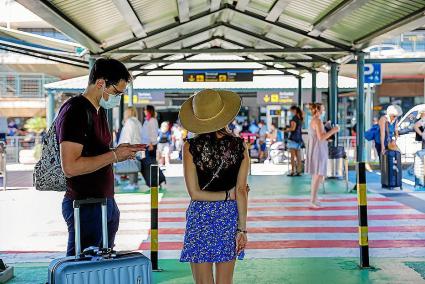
[
  {"x": 146, "y": 172},
  {"x": 391, "y": 171},
  {"x": 99, "y": 265}
]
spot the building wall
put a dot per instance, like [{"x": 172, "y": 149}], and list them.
[{"x": 401, "y": 88}]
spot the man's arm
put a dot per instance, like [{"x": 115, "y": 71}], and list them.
[{"x": 73, "y": 164}]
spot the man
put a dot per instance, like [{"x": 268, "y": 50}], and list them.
[
  {"x": 85, "y": 139},
  {"x": 262, "y": 135}
]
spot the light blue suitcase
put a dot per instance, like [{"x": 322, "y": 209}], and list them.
[{"x": 99, "y": 266}]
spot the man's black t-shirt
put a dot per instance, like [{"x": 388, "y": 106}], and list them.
[{"x": 72, "y": 125}]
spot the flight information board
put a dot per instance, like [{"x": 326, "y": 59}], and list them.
[{"x": 218, "y": 75}]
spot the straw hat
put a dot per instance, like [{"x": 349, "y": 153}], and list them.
[
  {"x": 394, "y": 110},
  {"x": 209, "y": 110}
]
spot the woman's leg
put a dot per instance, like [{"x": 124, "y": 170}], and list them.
[
  {"x": 293, "y": 163},
  {"x": 224, "y": 272},
  {"x": 202, "y": 273},
  {"x": 299, "y": 162},
  {"x": 315, "y": 183}
]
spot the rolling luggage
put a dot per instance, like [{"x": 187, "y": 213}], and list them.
[
  {"x": 391, "y": 171},
  {"x": 146, "y": 172},
  {"x": 99, "y": 265},
  {"x": 419, "y": 169}
]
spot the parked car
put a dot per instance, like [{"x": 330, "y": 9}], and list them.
[{"x": 384, "y": 50}]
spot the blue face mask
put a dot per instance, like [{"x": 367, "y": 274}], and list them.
[
  {"x": 323, "y": 116},
  {"x": 113, "y": 101}
]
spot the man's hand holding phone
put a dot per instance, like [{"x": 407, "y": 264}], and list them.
[{"x": 128, "y": 151}]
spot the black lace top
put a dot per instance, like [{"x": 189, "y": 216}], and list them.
[{"x": 217, "y": 156}]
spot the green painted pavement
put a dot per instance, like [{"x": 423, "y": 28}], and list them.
[
  {"x": 267, "y": 186},
  {"x": 270, "y": 271}
]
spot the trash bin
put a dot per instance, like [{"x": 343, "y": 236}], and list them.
[{"x": 336, "y": 162}]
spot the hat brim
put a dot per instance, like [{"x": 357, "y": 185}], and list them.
[{"x": 232, "y": 105}]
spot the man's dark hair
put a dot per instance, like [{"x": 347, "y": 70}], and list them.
[{"x": 111, "y": 70}]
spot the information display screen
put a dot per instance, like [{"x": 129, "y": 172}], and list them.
[{"x": 217, "y": 75}]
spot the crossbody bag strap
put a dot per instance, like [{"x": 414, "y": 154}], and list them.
[{"x": 215, "y": 175}]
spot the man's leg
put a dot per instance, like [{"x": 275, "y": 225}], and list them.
[
  {"x": 113, "y": 221},
  {"x": 90, "y": 229}
]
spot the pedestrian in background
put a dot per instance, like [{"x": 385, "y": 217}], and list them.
[
  {"x": 131, "y": 133},
  {"x": 216, "y": 165},
  {"x": 317, "y": 151},
  {"x": 164, "y": 143},
  {"x": 295, "y": 140},
  {"x": 388, "y": 131},
  {"x": 150, "y": 132},
  {"x": 262, "y": 146}
]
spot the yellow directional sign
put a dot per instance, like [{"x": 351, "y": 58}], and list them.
[{"x": 266, "y": 98}]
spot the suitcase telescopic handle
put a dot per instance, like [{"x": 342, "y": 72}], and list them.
[{"x": 77, "y": 224}]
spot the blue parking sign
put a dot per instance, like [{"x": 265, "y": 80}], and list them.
[{"x": 373, "y": 74}]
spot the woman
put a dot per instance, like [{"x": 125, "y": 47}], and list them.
[
  {"x": 419, "y": 129},
  {"x": 131, "y": 133},
  {"x": 216, "y": 166},
  {"x": 150, "y": 132},
  {"x": 388, "y": 131},
  {"x": 317, "y": 151},
  {"x": 164, "y": 143},
  {"x": 295, "y": 140}
]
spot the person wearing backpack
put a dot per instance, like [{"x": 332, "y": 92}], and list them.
[{"x": 86, "y": 157}]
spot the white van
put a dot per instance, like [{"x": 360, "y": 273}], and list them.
[{"x": 406, "y": 141}]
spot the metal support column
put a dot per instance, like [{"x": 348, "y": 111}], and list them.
[
  {"x": 300, "y": 92},
  {"x": 92, "y": 60},
  {"x": 121, "y": 114},
  {"x": 333, "y": 96},
  {"x": 361, "y": 169},
  {"x": 313, "y": 86},
  {"x": 130, "y": 94},
  {"x": 50, "y": 108}
]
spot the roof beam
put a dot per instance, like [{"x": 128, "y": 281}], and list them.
[
  {"x": 215, "y": 5},
  {"x": 166, "y": 56},
  {"x": 294, "y": 30},
  {"x": 416, "y": 18},
  {"x": 283, "y": 60},
  {"x": 38, "y": 51},
  {"x": 271, "y": 41},
  {"x": 335, "y": 15},
  {"x": 300, "y": 66},
  {"x": 42, "y": 56},
  {"x": 242, "y": 4},
  {"x": 48, "y": 12},
  {"x": 288, "y": 50},
  {"x": 183, "y": 7},
  {"x": 129, "y": 15},
  {"x": 167, "y": 28},
  {"x": 277, "y": 10}
]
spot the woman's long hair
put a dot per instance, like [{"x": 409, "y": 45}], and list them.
[
  {"x": 298, "y": 112},
  {"x": 315, "y": 108}
]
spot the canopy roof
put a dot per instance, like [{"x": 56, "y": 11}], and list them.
[{"x": 280, "y": 34}]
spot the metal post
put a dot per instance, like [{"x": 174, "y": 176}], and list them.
[
  {"x": 368, "y": 119},
  {"x": 130, "y": 94},
  {"x": 154, "y": 174},
  {"x": 361, "y": 169},
  {"x": 300, "y": 92},
  {"x": 92, "y": 60},
  {"x": 313, "y": 86},
  {"x": 121, "y": 114},
  {"x": 333, "y": 96},
  {"x": 50, "y": 108}
]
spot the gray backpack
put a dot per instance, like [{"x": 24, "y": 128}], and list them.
[{"x": 48, "y": 174}]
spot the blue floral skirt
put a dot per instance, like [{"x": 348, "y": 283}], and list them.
[{"x": 210, "y": 232}]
